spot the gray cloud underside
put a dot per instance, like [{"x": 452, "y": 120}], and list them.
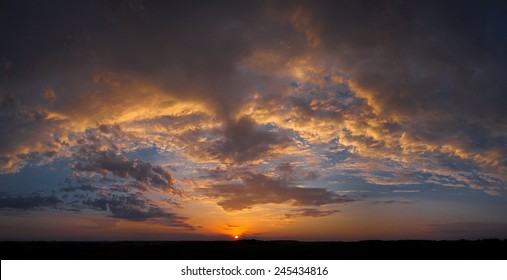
[
  {"x": 244, "y": 142},
  {"x": 108, "y": 161},
  {"x": 134, "y": 207},
  {"x": 92, "y": 157},
  {"x": 258, "y": 189}
]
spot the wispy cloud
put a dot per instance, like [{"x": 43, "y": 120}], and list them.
[{"x": 310, "y": 212}]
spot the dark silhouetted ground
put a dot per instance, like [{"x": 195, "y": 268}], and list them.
[{"x": 253, "y": 249}]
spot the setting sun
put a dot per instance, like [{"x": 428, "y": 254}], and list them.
[{"x": 236, "y": 237}]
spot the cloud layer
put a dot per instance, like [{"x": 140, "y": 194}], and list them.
[{"x": 251, "y": 104}]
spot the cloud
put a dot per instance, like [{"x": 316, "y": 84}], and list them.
[
  {"x": 134, "y": 207},
  {"x": 289, "y": 171},
  {"x": 261, "y": 71},
  {"x": 406, "y": 191},
  {"x": 258, "y": 189},
  {"x": 104, "y": 79},
  {"x": 294, "y": 214},
  {"x": 109, "y": 64},
  {"x": 104, "y": 162},
  {"x": 310, "y": 212},
  {"x": 48, "y": 94},
  {"x": 30, "y": 202},
  {"x": 285, "y": 167},
  {"x": 436, "y": 98},
  {"x": 493, "y": 192},
  {"x": 432, "y": 78},
  {"x": 312, "y": 175},
  {"x": 391, "y": 202},
  {"x": 83, "y": 187},
  {"x": 244, "y": 141},
  {"x": 25, "y": 136},
  {"x": 93, "y": 155}
]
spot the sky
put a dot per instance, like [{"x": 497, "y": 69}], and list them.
[{"x": 302, "y": 120}]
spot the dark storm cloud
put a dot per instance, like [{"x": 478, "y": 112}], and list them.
[
  {"x": 188, "y": 47},
  {"x": 189, "y": 50},
  {"x": 30, "y": 202},
  {"x": 184, "y": 45},
  {"x": 436, "y": 67},
  {"x": 257, "y": 189},
  {"x": 433, "y": 51}
]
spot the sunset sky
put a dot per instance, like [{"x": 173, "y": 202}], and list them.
[{"x": 202, "y": 120}]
